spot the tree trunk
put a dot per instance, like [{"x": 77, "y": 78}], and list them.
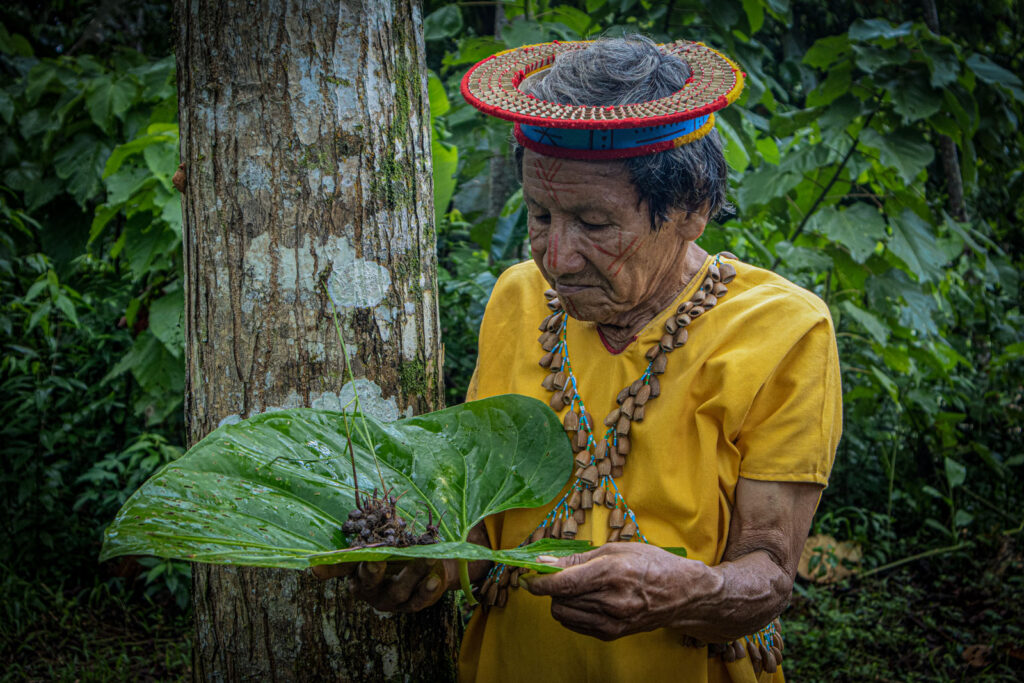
[{"x": 304, "y": 133}]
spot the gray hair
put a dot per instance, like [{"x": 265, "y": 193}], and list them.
[{"x": 617, "y": 71}]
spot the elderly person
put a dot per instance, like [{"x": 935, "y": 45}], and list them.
[{"x": 701, "y": 394}]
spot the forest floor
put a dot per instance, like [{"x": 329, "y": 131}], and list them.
[{"x": 943, "y": 618}]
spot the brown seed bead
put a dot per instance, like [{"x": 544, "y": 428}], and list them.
[
  {"x": 695, "y": 312},
  {"x": 623, "y": 444},
  {"x": 685, "y": 308},
  {"x": 545, "y": 360},
  {"x": 707, "y": 285},
  {"x": 713, "y": 273},
  {"x": 681, "y": 336},
  {"x": 655, "y": 386},
  {"x": 549, "y": 382},
  {"x": 550, "y": 294},
  {"x": 544, "y": 323},
  {"x": 728, "y": 272},
  {"x": 627, "y": 407},
  {"x": 587, "y": 499},
  {"x": 548, "y": 341},
  {"x": 578, "y": 474},
  {"x": 601, "y": 450},
  {"x": 491, "y": 596},
  {"x": 575, "y": 498},
  {"x": 638, "y": 414},
  {"x": 569, "y": 394},
  {"x": 611, "y": 499},
  {"x": 579, "y": 515},
  {"x": 612, "y": 418},
  {"x": 635, "y": 387},
  {"x": 643, "y": 394},
  {"x": 755, "y": 658},
  {"x": 613, "y": 536},
  {"x": 738, "y": 651},
  {"x": 604, "y": 468},
  {"x": 556, "y": 362},
  {"x": 666, "y": 343},
  {"x": 555, "y": 322},
  {"x": 622, "y": 426},
  {"x": 653, "y": 352},
  {"x": 777, "y": 653},
  {"x": 537, "y": 534},
  {"x": 571, "y": 422},
  {"x": 556, "y": 401},
  {"x": 616, "y": 472},
  {"x": 505, "y": 577},
  {"x": 583, "y": 458},
  {"x": 770, "y": 665},
  {"x": 617, "y": 460},
  {"x": 560, "y": 380},
  {"x": 671, "y": 325},
  {"x": 729, "y": 255},
  {"x": 515, "y": 577},
  {"x": 617, "y": 518},
  {"x": 710, "y": 302},
  {"x": 502, "y": 598},
  {"x": 555, "y": 305},
  {"x": 589, "y": 419},
  {"x": 628, "y": 530},
  {"x": 698, "y": 297},
  {"x": 589, "y": 475},
  {"x": 599, "y": 495},
  {"x": 581, "y": 439},
  {"x": 763, "y": 651},
  {"x": 570, "y": 528},
  {"x": 720, "y": 290},
  {"x": 659, "y": 365},
  {"x": 623, "y": 395},
  {"x": 728, "y": 655},
  {"x": 556, "y": 528},
  {"x": 683, "y": 320}
]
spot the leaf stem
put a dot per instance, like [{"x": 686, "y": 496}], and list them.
[
  {"x": 918, "y": 556},
  {"x": 467, "y": 587}
]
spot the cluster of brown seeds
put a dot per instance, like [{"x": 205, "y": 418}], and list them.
[
  {"x": 764, "y": 648},
  {"x": 376, "y": 521}
]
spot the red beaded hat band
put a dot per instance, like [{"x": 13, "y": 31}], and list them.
[{"x": 599, "y": 132}]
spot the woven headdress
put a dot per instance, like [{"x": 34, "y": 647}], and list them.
[{"x": 597, "y": 132}]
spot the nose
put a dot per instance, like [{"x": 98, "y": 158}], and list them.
[{"x": 563, "y": 256}]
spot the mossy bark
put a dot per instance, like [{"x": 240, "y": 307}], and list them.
[{"x": 304, "y": 134}]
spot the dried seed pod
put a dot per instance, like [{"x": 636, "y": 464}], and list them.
[
  {"x": 713, "y": 273},
  {"x": 569, "y": 394},
  {"x": 612, "y": 418},
  {"x": 755, "y": 658},
  {"x": 502, "y": 597},
  {"x": 709, "y": 302},
  {"x": 770, "y": 664},
  {"x": 589, "y": 419},
  {"x": 728, "y": 654},
  {"x": 560, "y": 378},
  {"x": 729, "y": 255},
  {"x": 616, "y": 472},
  {"x": 638, "y": 414},
  {"x": 738, "y": 651},
  {"x": 570, "y": 528},
  {"x": 660, "y": 364},
  {"x": 581, "y": 439},
  {"x": 548, "y": 341},
  {"x": 556, "y": 401},
  {"x": 728, "y": 272},
  {"x": 653, "y": 352},
  {"x": 708, "y": 284},
  {"x": 544, "y": 323},
  {"x": 579, "y": 472},
  {"x": 635, "y": 387},
  {"x": 655, "y": 386},
  {"x": 556, "y": 361},
  {"x": 685, "y": 308},
  {"x": 695, "y": 312},
  {"x": 628, "y": 530},
  {"x": 611, "y": 499},
  {"x": 545, "y": 360},
  {"x": 671, "y": 325},
  {"x": 763, "y": 651},
  {"x": 683, "y": 320},
  {"x": 491, "y": 596},
  {"x": 514, "y": 582},
  {"x": 506, "y": 576},
  {"x": 599, "y": 495},
  {"x": 571, "y": 422},
  {"x": 698, "y": 297},
  {"x": 587, "y": 499},
  {"x": 550, "y": 294},
  {"x": 583, "y": 458},
  {"x": 549, "y": 382},
  {"x": 589, "y": 475},
  {"x": 537, "y": 534},
  {"x": 556, "y": 528},
  {"x": 627, "y": 407},
  {"x": 666, "y": 343},
  {"x": 575, "y": 498},
  {"x": 681, "y": 337},
  {"x": 777, "y": 653},
  {"x": 617, "y": 460},
  {"x": 613, "y": 536},
  {"x": 622, "y": 426},
  {"x": 617, "y": 518},
  {"x": 623, "y": 445},
  {"x": 643, "y": 394},
  {"x": 601, "y": 450},
  {"x": 555, "y": 322},
  {"x": 719, "y": 290},
  {"x": 579, "y": 515},
  {"x": 604, "y": 468},
  {"x": 555, "y": 305}
]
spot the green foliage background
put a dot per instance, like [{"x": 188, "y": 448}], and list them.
[{"x": 837, "y": 181}]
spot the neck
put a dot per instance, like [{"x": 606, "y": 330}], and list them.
[{"x": 618, "y": 334}]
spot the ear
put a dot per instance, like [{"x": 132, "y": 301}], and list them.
[{"x": 688, "y": 224}]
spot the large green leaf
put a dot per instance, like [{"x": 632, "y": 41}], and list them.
[
  {"x": 275, "y": 489},
  {"x": 913, "y": 241},
  {"x": 858, "y": 228}
]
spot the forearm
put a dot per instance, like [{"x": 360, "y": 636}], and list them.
[{"x": 732, "y": 599}]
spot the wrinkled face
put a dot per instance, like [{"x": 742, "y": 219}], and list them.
[{"x": 592, "y": 239}]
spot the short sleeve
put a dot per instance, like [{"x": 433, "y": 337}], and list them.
[{"x": 792, "y": 429}]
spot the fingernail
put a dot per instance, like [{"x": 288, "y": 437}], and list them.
[
  {"x": 432, "y": 583},
  {"x": 547, "y": 559}
]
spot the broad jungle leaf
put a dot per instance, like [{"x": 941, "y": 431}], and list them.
[{"x": 275, "y": 489}]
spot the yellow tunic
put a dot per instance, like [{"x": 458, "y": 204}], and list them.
[{"x": 754, "y": 393}]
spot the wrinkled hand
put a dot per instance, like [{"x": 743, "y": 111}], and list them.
[
  {"x": 398, "y": 587},
  {"x": 616, "y": 590}
]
